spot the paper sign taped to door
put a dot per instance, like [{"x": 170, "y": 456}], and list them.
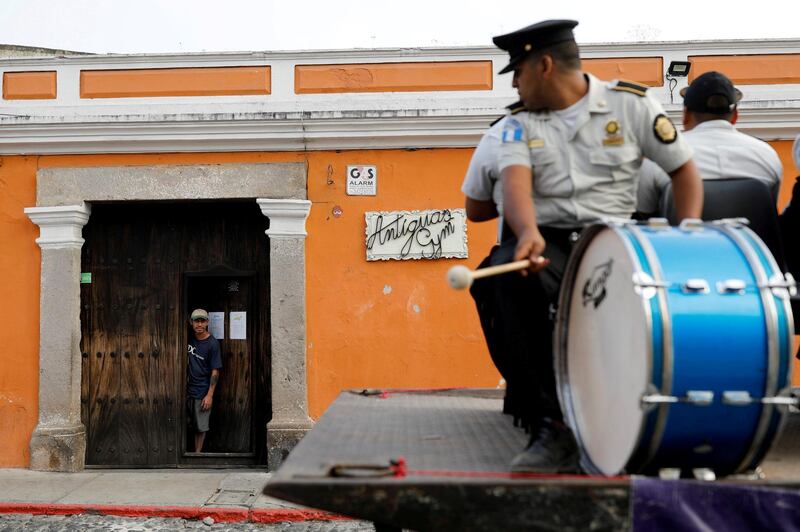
[
  {"x": 238, "y": 325},
  {"x": 216, "y": 325}
]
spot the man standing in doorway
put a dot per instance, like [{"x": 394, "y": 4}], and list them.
[{"x": 202, "y": 374}]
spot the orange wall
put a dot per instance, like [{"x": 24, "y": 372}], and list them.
[
  {"x": 359, "y": 336},
  {"x": 19, "y": 311},
  {"x": 370, "y": 324}
]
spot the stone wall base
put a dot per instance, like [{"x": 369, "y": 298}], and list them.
[
  {"x": 282, "y": 436},
  {"x": 58, "y": 449}
]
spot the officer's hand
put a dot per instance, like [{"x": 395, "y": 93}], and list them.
[
  {"x": 530, "y": 245},
  {"x": 206, "y": 404}
]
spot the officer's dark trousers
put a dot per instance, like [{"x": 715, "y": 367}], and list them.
[{"x": 516, "y": 315}]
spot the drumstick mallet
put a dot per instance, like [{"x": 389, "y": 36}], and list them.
[{"x": 460, "y": 277}]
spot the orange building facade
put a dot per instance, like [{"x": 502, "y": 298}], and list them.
[{"x": 277, "y": 131}]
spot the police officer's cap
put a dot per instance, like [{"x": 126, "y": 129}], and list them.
[{"x": 522, "y": 42}]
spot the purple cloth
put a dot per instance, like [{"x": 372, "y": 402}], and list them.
[{"x": 683, "y": 505}]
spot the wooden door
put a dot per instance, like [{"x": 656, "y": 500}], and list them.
[
  {"x": 134, "y": 331},
  {"x": 228, "y": 296}
]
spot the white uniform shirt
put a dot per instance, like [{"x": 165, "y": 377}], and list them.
[
  {"x": 581, "y": 178},
  {"x": 482, "y": 180},
  {"x": 720, "y": 151}
]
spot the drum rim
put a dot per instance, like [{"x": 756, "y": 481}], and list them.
[
  {"x": 561, "y": 334},
  {"x": 667, "y": 345},
  {"x": 771, "y": 387}
]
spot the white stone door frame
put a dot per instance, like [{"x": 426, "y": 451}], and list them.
[{"x": 63, "y": 206}]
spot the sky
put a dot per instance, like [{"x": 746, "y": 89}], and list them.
[{"x": 152, "y": 26}]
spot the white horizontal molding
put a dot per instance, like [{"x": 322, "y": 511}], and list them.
[{"x": 156, "y": 134}]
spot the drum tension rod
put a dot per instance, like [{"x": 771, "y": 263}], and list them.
[
  {"x": 694, "y": 397},
  {"x": 743, "y": 398}
]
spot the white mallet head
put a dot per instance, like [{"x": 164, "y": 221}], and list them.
[{"x": 459, "y": 277}]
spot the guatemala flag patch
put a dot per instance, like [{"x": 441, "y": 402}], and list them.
[{"x": 512, "y": 131}]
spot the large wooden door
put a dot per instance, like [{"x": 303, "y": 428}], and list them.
[{"x": 134, "y": 330}]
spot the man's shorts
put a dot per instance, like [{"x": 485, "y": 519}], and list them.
[{"x": 197, "y": 417}]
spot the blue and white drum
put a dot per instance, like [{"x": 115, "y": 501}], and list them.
[{"x": 673, "y": 347}]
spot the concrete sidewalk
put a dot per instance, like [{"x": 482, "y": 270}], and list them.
[{"x": 224, "y": 495}]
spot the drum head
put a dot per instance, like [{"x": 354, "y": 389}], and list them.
[{"x": 608, "y": 354}]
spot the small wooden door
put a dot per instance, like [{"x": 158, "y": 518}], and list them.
[
  {"x": 228, "y": 295},
  {"x": 135, "y": 295}
]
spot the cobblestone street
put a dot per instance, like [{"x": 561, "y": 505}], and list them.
[{"x": 98, "y": 523}]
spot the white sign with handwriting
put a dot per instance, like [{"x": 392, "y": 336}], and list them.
[{"x": 402, "y": 235}]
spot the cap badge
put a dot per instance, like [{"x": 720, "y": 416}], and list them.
[{"x": 528, "y": 47}]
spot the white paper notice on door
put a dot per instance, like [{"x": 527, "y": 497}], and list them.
[
  {"x": 238, "y": 326},
  {"x": 216, "y": 325}
]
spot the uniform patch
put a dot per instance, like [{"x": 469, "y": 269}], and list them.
[
  {"x": 612, "y": 128},
  {"x": 664, "y": 129},
  {"x": 536, "y": 143},
  {"x": 512, "y": 131}
]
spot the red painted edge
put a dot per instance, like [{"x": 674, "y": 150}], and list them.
[
  {"x": 220, "y": 515},
  {"x": 270, "y": 515}
]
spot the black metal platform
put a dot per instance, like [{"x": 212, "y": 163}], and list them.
[{"x": 457, "y": 446}]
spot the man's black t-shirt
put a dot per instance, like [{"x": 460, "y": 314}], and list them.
[{"x": 204, "y": 355}]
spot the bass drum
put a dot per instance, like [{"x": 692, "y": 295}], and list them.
[{"x": 673, "y": 347}]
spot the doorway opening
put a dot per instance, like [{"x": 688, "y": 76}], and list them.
[{"x": 144, "y": 267}]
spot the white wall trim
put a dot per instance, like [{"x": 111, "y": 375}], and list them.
[
  {"x": 296, "y": 134},
  {"x": 60, "y": 227},
  {"x": 287, "y": 217}
]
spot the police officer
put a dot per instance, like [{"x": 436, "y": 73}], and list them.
[
  {"x": 719, "y": 150},
  {"x": 568, "y": 161}
]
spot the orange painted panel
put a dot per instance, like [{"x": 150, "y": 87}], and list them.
[
  {"x": 394, "y": 77},
  {"x": 29, "y": 85},
  {"x": 145, "y": 83},
  {"x": 19, "y": 270},
  {"x": 750, "y": 69},
  {"x": 645, "y": 70}
]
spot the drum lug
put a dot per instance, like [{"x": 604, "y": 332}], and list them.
[
  {"x": 732, "y": 222},
  {"x": 699, "y": 397},
  {"x": 695, "y": 286},
  {"x": 658, "y": 223},
  {"x": 782, "y": 286},
  {"x": 691, "y": 224},
  {"x": 731, "y": 286},
  {"x": 645, "y": 285},
  {"x": 703, "y": 473},
  {"x": 617, "y": 222},
  {"x": 736, "y": 398}
]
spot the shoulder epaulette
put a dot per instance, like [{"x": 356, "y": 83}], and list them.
[
  {"x": 516, "y": 107},
  {"x": 513, "y": 109},
  {"x": 629, "y": 86}
]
